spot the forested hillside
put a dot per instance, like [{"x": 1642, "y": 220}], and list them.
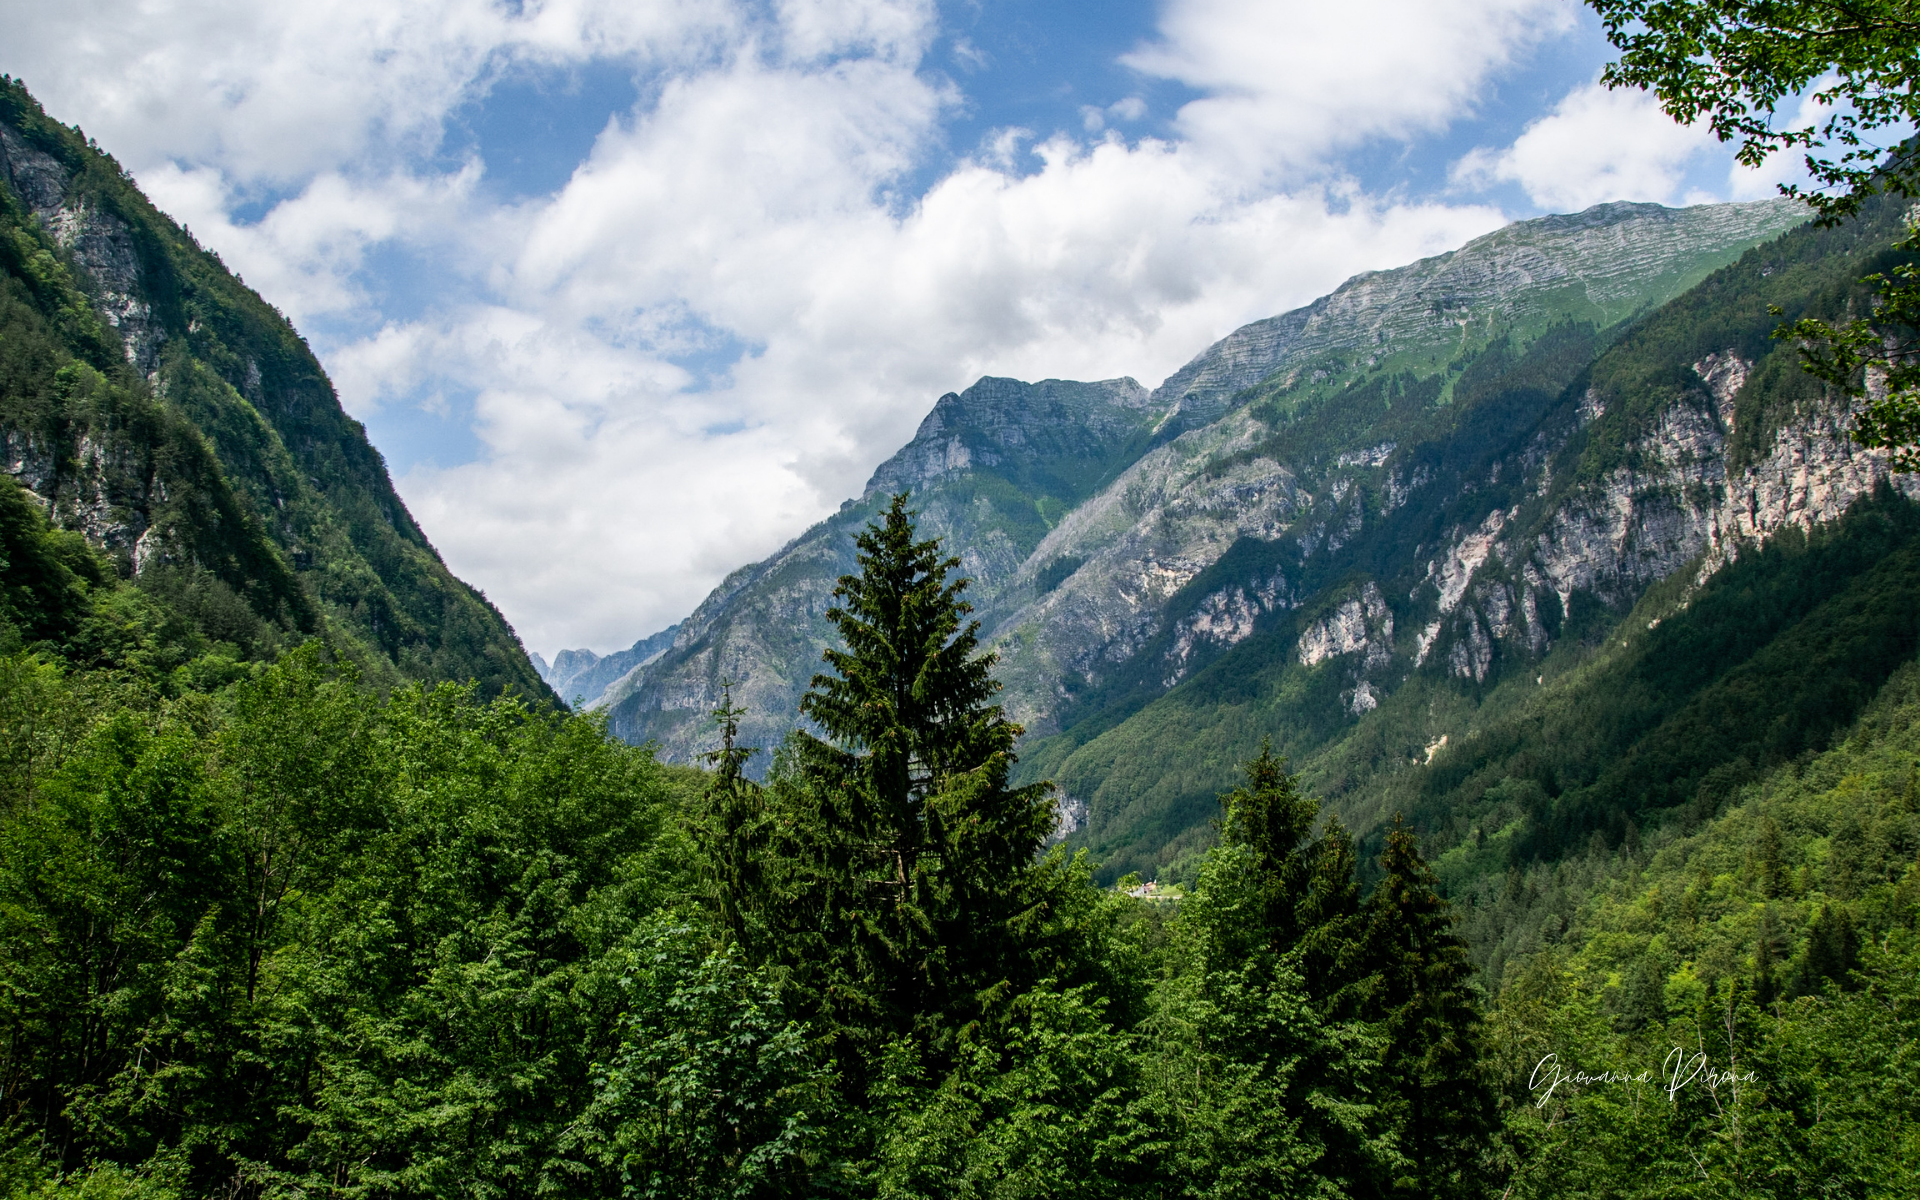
[
  {"x": 271, "y": 934},
  {"x": 155, "y": 405}
]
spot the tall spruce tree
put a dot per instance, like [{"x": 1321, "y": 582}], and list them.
[
  {"x": 1285, "y": 1070},
  {"x": 1308, "y": 895},
  {"x": 908, "y": 891},
  {"x": 1423, "y": 997},
  {"x": 733, "y": 827}
]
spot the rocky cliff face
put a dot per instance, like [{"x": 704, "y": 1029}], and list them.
[{"x": 101, "y": 244}]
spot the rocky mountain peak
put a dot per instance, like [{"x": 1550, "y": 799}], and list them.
[{"x": 1008, "y": 423}]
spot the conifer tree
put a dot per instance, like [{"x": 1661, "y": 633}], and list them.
[
  {"x": 733, "y": 825},
  {"x": 1308, "y": 896},
  {"x": 1288, "y": 1071},
  {"x": 909, "y": 860},
  {"x": 1422, "y": 994},
  {"x": 1833, "y": 951}
]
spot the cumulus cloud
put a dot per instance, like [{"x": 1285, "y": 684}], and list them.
[
  {"x": 733, "y": 309},
  {"x": 1105, "y": 261},
  {"x": 274, "y": 93},
  {"x": 1288, "y": 83},
  {"x": 1597, "y": 144}
]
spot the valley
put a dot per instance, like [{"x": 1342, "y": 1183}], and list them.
[{"x": 1506, "y": 662}]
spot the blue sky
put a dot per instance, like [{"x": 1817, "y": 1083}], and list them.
[{"x": 629, "y": 294}]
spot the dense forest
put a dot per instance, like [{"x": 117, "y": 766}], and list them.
[{"x": 265, "y": 930}]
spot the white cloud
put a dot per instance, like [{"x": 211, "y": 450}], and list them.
[
  {"x": 1596, "y": 145},
  {"x": 1106, "y": 261},
  {"x": 305, "y": 253},
  {"x": 752, "y": 201},
  {"x": 1289, "y": 83},
  {"x": 273, "y": 93}
]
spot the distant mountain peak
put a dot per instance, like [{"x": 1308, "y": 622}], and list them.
[
  {"x": 1005, "y": 421},
  {"x": 584, "y": 676}
]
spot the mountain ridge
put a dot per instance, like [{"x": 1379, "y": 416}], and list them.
[
  {"x": 666, "y": 701},
  {"x": 1451, "y": 290}
]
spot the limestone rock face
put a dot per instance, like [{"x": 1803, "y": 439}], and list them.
[
  {"x": 1683, "y": 500},
  {"x": 1141, "y": 542},
  {"x": 100, "y": 242},
  {"x": 1363, "y": 624}
]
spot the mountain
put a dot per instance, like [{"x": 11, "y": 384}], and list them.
[
  {"x": 581, "y": 676},
  {"x": 1082, "y": 510},
  {"x": 1394, "y": 572},
  {"x": 154, "y": 404}
]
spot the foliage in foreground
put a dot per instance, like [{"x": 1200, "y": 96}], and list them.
[{"x": 275, "y": 935}]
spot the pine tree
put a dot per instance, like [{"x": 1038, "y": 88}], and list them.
[
  {"x": 908, "y": 858},
  {"x": 733, "y": 826},
  {"x": 1308, "y": 897},
  {"x": 1422, "y": 994},
  {"x": 1833, "y": 951}
]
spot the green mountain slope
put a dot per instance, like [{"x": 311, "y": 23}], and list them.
[
  {"x": 153, "y": 403},
  {"x": 1597, "y": 267}
]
